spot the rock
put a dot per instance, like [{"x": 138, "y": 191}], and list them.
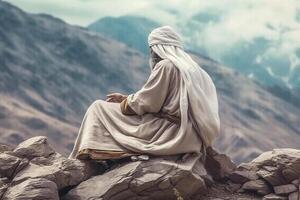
[
  {"x": 158, "y": 178},
  {"x": 296, "y": 182},
  {"x": 4, "y": 147},
  {"x": 294, "y": 196},
  {"x": 8, "y": 165},
  {"x": 34, "y": 147},
  {"x": 33, "y": 189},
  {"x": 242, "y": 176},
  {"x": 219, "y": 165},
  {"x": 233, "y": 187},
  {"x": 274, "y": 197},
  {"x": 279, "y": 166},
  {"x": 285, "y": 189},
  {"x": 33, "y": 170},
  {"x": 274, "y": 177},
  {"x": 259, "y": 186},
  {"x": 64, "y": 172}
]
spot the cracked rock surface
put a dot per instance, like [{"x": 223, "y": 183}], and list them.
[
  {"x": 33, "y": 170},
  {"x": 158, "y": 178}
]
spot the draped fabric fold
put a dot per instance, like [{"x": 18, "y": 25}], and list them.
[{"x": 198, "y": 97}]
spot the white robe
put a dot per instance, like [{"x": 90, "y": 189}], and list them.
[{"x": 106, "y": 128}]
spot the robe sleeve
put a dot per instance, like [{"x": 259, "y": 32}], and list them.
[
  {"x": 126, "y": 109},
  {"x": 150, "y": 98}
]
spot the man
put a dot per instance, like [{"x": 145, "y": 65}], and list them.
[{"x": 175, "y": 112}]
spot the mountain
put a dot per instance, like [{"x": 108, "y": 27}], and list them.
[
  {"x": 253, "y": 119},
  {"x": 51, "y": 71},
  {"x": 131, "y": 30}
]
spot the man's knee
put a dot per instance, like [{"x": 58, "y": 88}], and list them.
[{"x": 96, "y": 103}]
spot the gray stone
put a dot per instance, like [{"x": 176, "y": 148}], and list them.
[
  {"x": 5, "y": 147},
  {"x": 279, "y": 166},
  {"x": 296, "y": 182},
  {"x": 259, "y": 186},
  {"x": 274, "y": 197},
  {"x": 8, "y": 165},
  {"x": 285, "y": 189},
  {"x": 220, "y": 166},
  {"x": 242, "y": 176},
  {"x": 233, "y": 187},
  {"x": 32, "y": 189},
  {"x": 294, "y": 196},
  {"x": 158, "y": 178},
  {"x": 64, "y": 172},
  {"x": 34, "y": 147}
]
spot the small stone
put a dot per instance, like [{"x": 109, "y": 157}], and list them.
[
  {"x": 259, "y": 186},
  {"x": 134, "y": 158},
  {"x": 5, "y": 147},
  {"x": 8, "y": 165},
  {"x": 290, "y": 174},
  {"x": 294, "y": 196},
  {"x": 242, "y": 176},
  {"x": 274, "y": 197},
  {"x": 296, "y": 182},
  {"x": 233, "y": 187},
  {"x": 34, "y": 147},
  {"x": 143, "y": 157},
  {"x": 274, "y": 178},
  {"x": 218, "y": 165},
  {"x": 285, "y": 189}
]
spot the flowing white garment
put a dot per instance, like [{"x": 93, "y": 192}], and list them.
[
  {"x": 177, "y": 86},
  {"x": 198, "y": 98}
]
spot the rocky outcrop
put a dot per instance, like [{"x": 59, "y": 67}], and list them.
[
  {"x": 274, "y": 174},
  {"x": 33, "y": 170}
]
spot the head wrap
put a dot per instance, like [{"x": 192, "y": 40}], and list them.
[
  {"x": 198, "y": 97},
  {"x": 164, "y": 35}
]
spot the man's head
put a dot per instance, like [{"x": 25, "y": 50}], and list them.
[
  {"x": 164, "y": 35},
  {"x": 154, "y": 59}
]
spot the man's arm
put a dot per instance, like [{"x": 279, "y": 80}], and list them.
[{"x": 126, "y": 109}]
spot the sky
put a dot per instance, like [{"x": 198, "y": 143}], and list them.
[{"x": 217, "y": 26}]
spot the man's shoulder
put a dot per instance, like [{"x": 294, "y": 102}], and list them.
[{"x": 165, "y": 64}]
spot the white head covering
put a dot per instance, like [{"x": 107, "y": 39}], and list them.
[{"x": 198, "y": 98}]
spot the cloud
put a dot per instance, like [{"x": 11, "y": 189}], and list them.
[{"x": 250, "y": 30}]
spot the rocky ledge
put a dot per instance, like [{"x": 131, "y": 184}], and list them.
[{"x": 33, "y": 170}]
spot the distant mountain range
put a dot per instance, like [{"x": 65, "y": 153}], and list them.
[
  {"x": 247, "y": 57},
  {"x": 51, "y": 71},
  {"x": 131, "y": 30}
]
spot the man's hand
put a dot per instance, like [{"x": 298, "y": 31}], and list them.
[{"x": 115, "y": 97}]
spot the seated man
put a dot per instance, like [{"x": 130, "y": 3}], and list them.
[{"x": 175, "y": 112}]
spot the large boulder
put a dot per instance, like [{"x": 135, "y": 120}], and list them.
[
  {"x": 33, "y": 170},
  {"x": 33, "y": 189},
  {"x": 279, "y": 166},
  {"x": 159, "y": 178},
  {"x": 275, "y": 174}
]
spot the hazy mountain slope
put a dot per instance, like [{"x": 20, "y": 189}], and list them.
[
  {"x": 131, "y": 30},
  {"x": 253, "y": 120},
  {"x": 51, "y": 72}
]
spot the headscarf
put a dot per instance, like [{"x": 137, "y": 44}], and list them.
[{"x": 198, "y": 97}]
